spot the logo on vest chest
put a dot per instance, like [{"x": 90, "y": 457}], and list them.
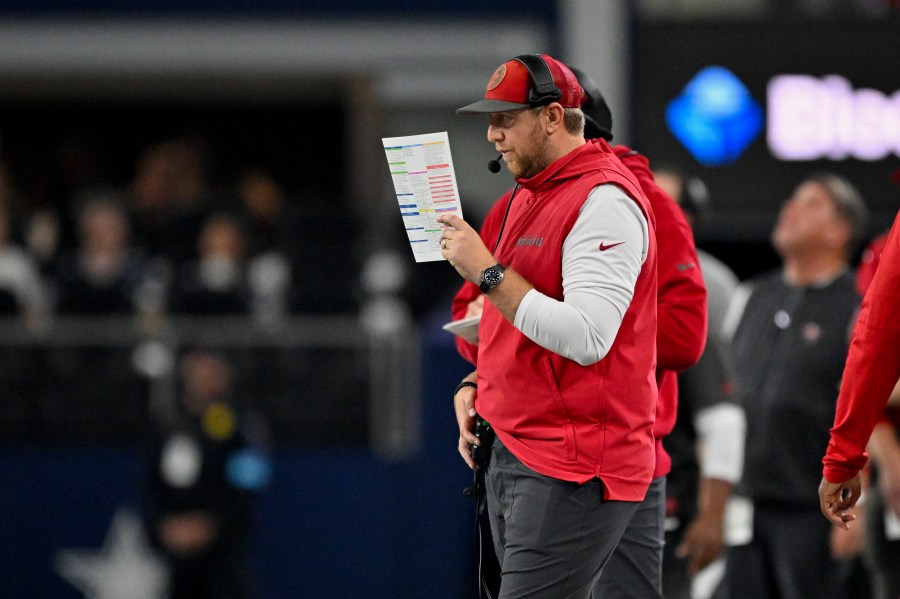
[{"x": 535, "y": 241}]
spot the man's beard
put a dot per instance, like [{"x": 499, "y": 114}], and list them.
[{"x": 528, "y": 165}]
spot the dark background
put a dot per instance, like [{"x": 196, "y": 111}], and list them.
[{"x": 746, "y": 194}]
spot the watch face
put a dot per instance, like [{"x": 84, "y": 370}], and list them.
[{"x": 492, "y": 276}]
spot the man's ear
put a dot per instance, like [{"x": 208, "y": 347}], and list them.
[{"x": 555, "y": 115}]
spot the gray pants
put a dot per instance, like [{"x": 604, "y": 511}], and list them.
[
  {"x": 635, "y": 569},
  {"x": 552, "y": 537}
]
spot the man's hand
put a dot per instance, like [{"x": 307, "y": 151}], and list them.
[
  {"x": 464, "y": 405},
  {"x": 847, "y": 544},
  {"x": 836, "y": 498},
  {"x": 462, "y": 246},
  {"x": 475, "y": 307},
  {"x": 702, "y": 541}
]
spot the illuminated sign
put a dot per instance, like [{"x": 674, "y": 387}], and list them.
[
  {"x": 715, "y": 117},
  {"x": 811, "y": 119}
]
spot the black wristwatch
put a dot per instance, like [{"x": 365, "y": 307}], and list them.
[{"x": 491, "y": 277}]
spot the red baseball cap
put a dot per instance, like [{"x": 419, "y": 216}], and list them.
[{"x": 512, "y": 86}]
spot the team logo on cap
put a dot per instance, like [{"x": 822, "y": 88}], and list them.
[{"x": 497, "y": 77}]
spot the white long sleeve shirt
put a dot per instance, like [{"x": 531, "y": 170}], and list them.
[{"x": 601, "y": 260}]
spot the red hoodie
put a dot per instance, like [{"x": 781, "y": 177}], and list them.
[
  {"x": 559, "y": 418},
  {"x": 872, "y": 368},
  {"x": 681, "y": 299}
]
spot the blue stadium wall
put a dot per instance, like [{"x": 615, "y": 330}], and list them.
[{"x": 334, "y": 523}]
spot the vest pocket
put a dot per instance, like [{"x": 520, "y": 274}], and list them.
[{"x": 560, "y": 409}]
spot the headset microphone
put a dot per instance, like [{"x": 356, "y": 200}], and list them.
[{"x": 494, "y": 165}]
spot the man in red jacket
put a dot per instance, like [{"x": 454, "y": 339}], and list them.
[
  {"x": 870, "y": 374},
  {"x": 567, "y": 340},
  {"x": 635, "y": 568}
]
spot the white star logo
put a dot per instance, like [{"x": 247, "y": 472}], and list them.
[{"x": 124, "y": 568}]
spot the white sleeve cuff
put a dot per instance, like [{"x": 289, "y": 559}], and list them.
[{"x": 721, "y": 429}]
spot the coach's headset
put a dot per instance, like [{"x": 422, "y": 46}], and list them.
[{"x": 544, "y": 90}]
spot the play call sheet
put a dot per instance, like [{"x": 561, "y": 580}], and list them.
[{"x": 425, "y": 184}]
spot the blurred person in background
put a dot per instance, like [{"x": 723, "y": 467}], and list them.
[
  {"x": 271, "y": 222},
  {"x": 225, "y": 280},
  {"x": 104, "y": 274},
  {"x": 22, "y": 290},
  {"x": 23, "y": 298},
  {"x": 169, "y": 197},
  {"x": 37, "y": 232},
  {"x": 206, "y": 466},
  {"x": 215, "y": 282},
  {"x": 265, "y": 207},
  {"x": 790, "y": 337},
  {"x": 707, "y": 443}
]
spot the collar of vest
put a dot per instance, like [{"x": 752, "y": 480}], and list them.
[{"x": 574, "y": 164}]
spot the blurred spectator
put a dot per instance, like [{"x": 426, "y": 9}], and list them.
[
  {"x": 223, "y": 280},
  {"x": 22, "y": 291},
  {"x": 104, "y": 274},
  {"x": 43, "y": 237},
  {"x": 206, "y": 466},
  {"x": 271, "y": 222},
  {"x": 707, "y": 442},
  {"x": 266, "y": 208},
  {"x": 789, "y": 347},
  {"x": 169, "y": 198},
  {"x": 22, "y": 295},
  {"x": 39, "y": 230},
  {"x": 215, "y": 282}
]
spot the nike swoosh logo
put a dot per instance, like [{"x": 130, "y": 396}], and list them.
[
  {"x": 687, "y": 266},
  {"x": 604, "y": 247}
]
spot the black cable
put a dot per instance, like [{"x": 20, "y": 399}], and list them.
[
  {"x": 505, "y": 214},
  {"x": 481, "y": 455},
  {"x": 474, "y": 491}
]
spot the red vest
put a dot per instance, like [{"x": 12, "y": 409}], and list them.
[{"x": 559, "y": 418}]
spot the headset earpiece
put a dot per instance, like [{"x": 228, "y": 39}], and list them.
[{"x": 545, "y": 90}]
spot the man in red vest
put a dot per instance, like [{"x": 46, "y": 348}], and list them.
[
  {"x": 566, "y": 361},
  {"x": 635, "y": 568}
]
